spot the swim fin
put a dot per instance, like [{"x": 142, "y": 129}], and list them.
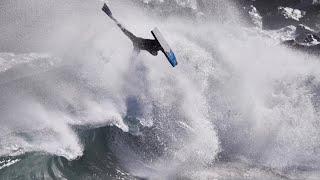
[{"x": 106, "y": 9}]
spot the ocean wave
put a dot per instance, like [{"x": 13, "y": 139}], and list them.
[{"x": 239, "y": 104}]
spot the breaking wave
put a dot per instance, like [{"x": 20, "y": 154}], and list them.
[{"x": 77, "y": 104}]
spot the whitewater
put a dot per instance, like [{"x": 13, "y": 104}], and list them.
[{"x": 77, "y": 104}]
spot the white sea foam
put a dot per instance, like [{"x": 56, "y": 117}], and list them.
[
  {"x": 7, "y": 163},
  {"x": 234, "y": 91}
]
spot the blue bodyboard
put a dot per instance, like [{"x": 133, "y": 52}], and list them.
[{"x": 165, "y": 47}]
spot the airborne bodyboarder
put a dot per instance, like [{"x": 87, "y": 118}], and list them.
[{"x": 150, "y": 45}]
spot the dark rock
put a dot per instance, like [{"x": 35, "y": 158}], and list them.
[
  {"x": 272, "y": 18},
  {"x": 306, "y": 39}
]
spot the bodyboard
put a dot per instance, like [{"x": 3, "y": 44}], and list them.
[{"x": 165, "y": 47}]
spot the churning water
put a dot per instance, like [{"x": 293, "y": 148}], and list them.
[{"x": 77, "y": 104}]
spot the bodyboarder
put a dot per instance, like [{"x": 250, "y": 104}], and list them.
[{"x": 150, "y": 45}]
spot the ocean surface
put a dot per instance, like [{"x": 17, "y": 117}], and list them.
[{"x": 77, "y": 104}]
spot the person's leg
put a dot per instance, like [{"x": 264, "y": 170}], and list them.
[{"x": 131, "y": 36}]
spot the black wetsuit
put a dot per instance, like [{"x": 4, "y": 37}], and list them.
[{"x": 150, "y": 45}]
